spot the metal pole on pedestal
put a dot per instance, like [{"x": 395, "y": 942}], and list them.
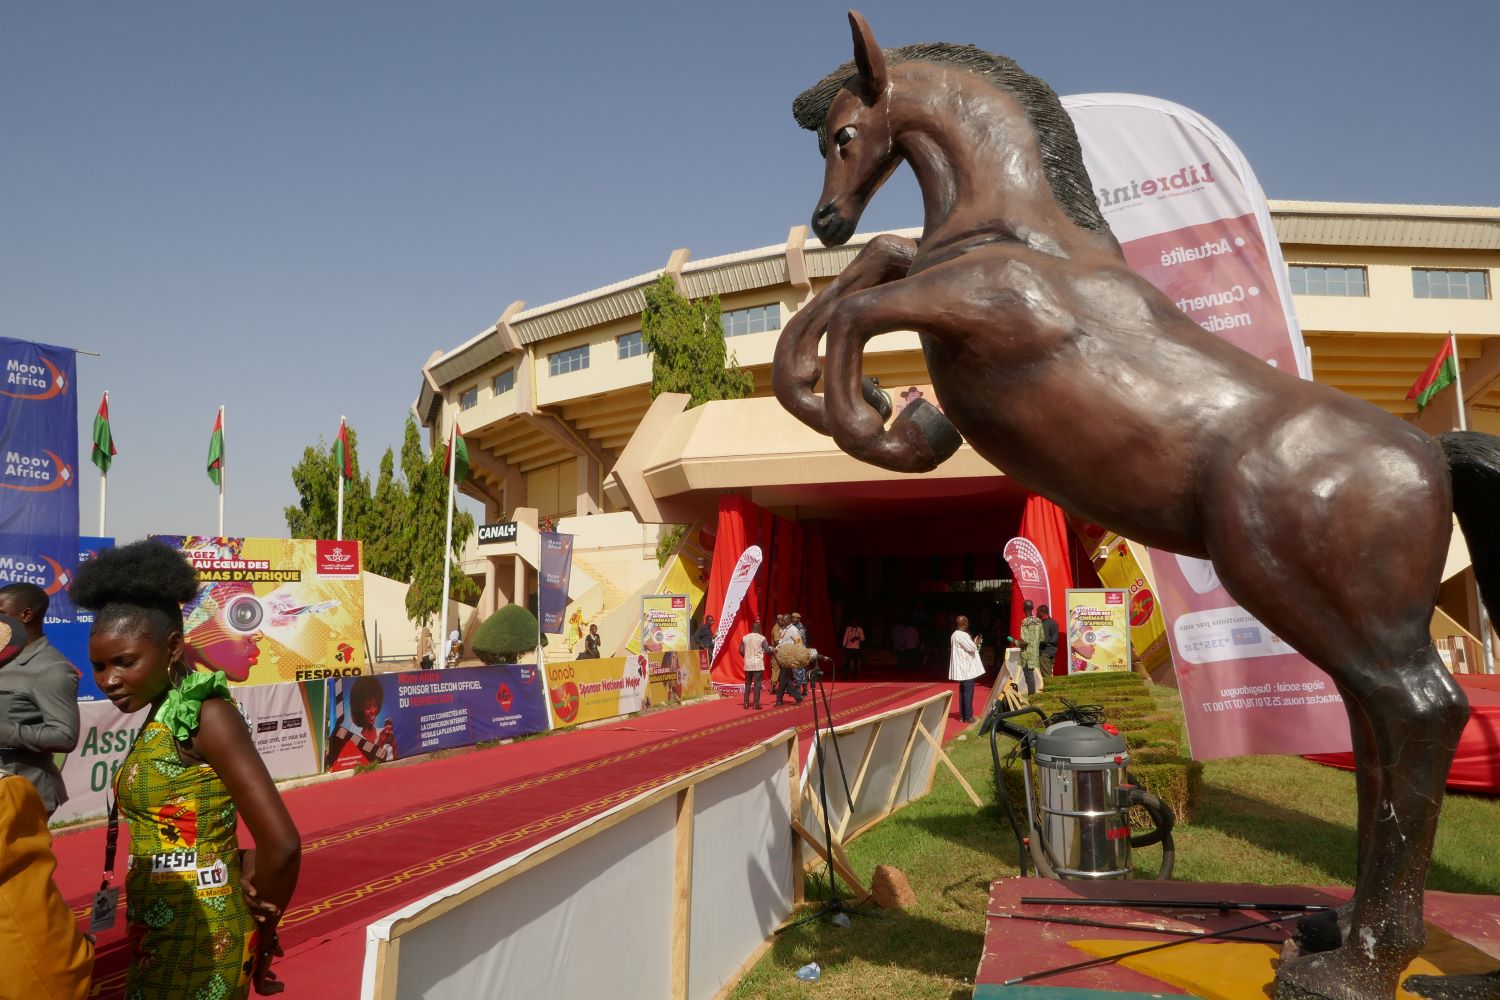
[{"x": 1463, "y": 424}]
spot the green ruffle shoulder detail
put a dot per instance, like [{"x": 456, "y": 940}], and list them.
[{"x": 179, "y": 713}]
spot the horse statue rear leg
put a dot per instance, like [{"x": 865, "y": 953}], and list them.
[{"x": 1358, "y": 608}]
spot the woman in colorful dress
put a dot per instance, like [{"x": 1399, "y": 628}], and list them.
[{"x": 200, "y": 913}]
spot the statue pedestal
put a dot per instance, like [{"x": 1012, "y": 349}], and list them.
[{"x": 1463, "y": 937}]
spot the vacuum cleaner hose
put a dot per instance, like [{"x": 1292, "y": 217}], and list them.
[{"x": 1163, "y": 819}]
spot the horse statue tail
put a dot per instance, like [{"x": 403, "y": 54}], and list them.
[{"x": 1474, "y": 463}]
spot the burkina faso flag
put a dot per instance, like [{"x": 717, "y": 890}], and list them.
[
  {"x": 343, "y": 452},
  {"x": 216, "y": 451},
  {"x": 461, "y": 460},
  {"x": 1439, "y": 375}
]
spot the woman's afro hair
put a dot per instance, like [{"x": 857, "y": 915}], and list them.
[{"x": 143, "y": 574}]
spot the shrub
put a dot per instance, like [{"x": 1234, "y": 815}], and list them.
[{"x": 505, "y": 635}]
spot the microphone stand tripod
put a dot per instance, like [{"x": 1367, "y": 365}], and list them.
[{"x": 834, "y": 904}]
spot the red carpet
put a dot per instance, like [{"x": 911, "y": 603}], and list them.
[
  {"x": 1476, "y": 766},
  {"x": 376, "y": 841}
]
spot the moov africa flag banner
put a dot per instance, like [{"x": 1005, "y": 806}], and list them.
[
  {"x": 38, "y": 469},
  {"x": 1191, "y": 219},
  {"x": 275, "y": 609},
  {"x": 1098, "y": 630}
]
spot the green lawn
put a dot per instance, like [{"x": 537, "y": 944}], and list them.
[{"x": 1260, "y": 819}]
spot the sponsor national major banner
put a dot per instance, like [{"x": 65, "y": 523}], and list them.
[
  {"x": 383, "y": 717},
  {"x": 39, "y": 468},
  {"x": 275, "y": 609},
  {"x": 675, "y": 676},
  {"x": 1098, "y": 630},
  {"x": 277, "y": 715},
  {"x": 1191, "y": 218},
  {"x": 591, "y": 690},
  {"x": 556, "y": 567},
  {"x": 1120, "y": 568}
]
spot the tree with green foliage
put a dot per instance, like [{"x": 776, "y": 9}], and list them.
[
  {"x": 316, "y": 478},
  {"x": 505, "y": 635},
  {"x": 686, "y": 341},
  {"x": 401, "y": 522},
  {"x": 422, "y": 534}
]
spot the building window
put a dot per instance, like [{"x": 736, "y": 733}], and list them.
[
  {"x": 1434, "y": 284},
  {"x": 1316, "y": 280},
  {"x": 756, "y": 319},
  {"x": 505, "y": 381},
  {"x": 468, "y": 398},
  {"x": 631, "y": 345},
  {"x": 574, "y": 359}
]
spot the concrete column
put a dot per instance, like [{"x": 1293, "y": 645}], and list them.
[
  {"x": 518, "y": 585},
  {"x": 489, "y": 600},
  {"x": 590, "y": 485}
]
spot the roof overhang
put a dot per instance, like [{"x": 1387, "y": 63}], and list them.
[{"x": 681, "y": 460}]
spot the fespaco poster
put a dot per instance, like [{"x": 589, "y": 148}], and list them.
[{"x": 274, "y": 609}]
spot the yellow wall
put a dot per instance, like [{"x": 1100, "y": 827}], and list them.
[{"x": 553, "y": 490}]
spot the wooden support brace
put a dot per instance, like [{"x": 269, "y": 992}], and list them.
[
  {"x": 682, "y": 893},
  {"x": 838, "y": 860},
  {"x": 942, "y": 754},
  {"x": 859, "y": 780},
  {"x": 911, "y": 741}
]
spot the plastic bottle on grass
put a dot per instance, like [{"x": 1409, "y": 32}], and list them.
[{"x": 810, "y": 973}]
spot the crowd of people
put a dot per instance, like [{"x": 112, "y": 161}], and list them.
[
  {"x": 200, "y": 913},
  {"x": 786, "y": 653}
]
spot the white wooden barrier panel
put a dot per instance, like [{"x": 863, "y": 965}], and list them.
[
  {"x": 668, "y": 895},
  {"x": 873, "y": 767}
]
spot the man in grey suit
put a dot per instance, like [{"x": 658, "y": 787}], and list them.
[{"x": 38, "y": 699}]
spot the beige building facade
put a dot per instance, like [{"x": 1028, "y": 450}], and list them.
[{"x": 555, "y": 406}]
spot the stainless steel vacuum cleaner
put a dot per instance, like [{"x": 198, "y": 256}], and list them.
[{"x": 1078, "y": 803}]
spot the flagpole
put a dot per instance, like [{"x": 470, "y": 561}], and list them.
[
  {"x": 103, "y": 480},
  {"x": 221, "y": 473},
  {"x": 1463, "y": 424},
  {"x": 448, "y": 541},
  {"x": 339, "y": 535}
]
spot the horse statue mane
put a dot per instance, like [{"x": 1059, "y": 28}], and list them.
[{"x": 1062, "y": 157}]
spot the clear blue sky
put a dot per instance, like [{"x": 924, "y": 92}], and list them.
[{"x": 286, "y": 207}]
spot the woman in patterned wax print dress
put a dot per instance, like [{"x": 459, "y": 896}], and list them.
[{"x": 200, "y": 913}]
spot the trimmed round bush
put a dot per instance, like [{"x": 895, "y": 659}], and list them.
[{"x": 505, "y": 635}]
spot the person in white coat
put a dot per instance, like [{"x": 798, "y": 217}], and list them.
[{"x": 964, "y": 667}]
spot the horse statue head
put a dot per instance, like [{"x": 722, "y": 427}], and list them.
[{"x": 866, "y": 115}]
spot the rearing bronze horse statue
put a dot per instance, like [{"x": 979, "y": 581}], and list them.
[{"x": 1043, "y": 346}]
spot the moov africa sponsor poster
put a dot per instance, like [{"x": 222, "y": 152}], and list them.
[
  {"x": 589, "y": 690},
  {"x": 275, "y": 609},
  {"x": 384, "y": 717},
  {"x": 1098, "y": 630}
]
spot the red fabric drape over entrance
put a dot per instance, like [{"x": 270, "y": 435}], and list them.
[
  {"x": 1044, "y": 525},
  {"x": 793, "y": 577}
]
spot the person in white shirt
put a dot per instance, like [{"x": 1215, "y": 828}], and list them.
[
  {"x": 854, "y": 640},
  {"x": 964, "y": 667},
  {"x": 753, "y": 649}
]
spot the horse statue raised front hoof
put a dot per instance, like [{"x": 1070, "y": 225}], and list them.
[
  {"x": 931, "y": 433},
  {"x": 869, "y": 388},
  {"x": 1028, "y": 314}
]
